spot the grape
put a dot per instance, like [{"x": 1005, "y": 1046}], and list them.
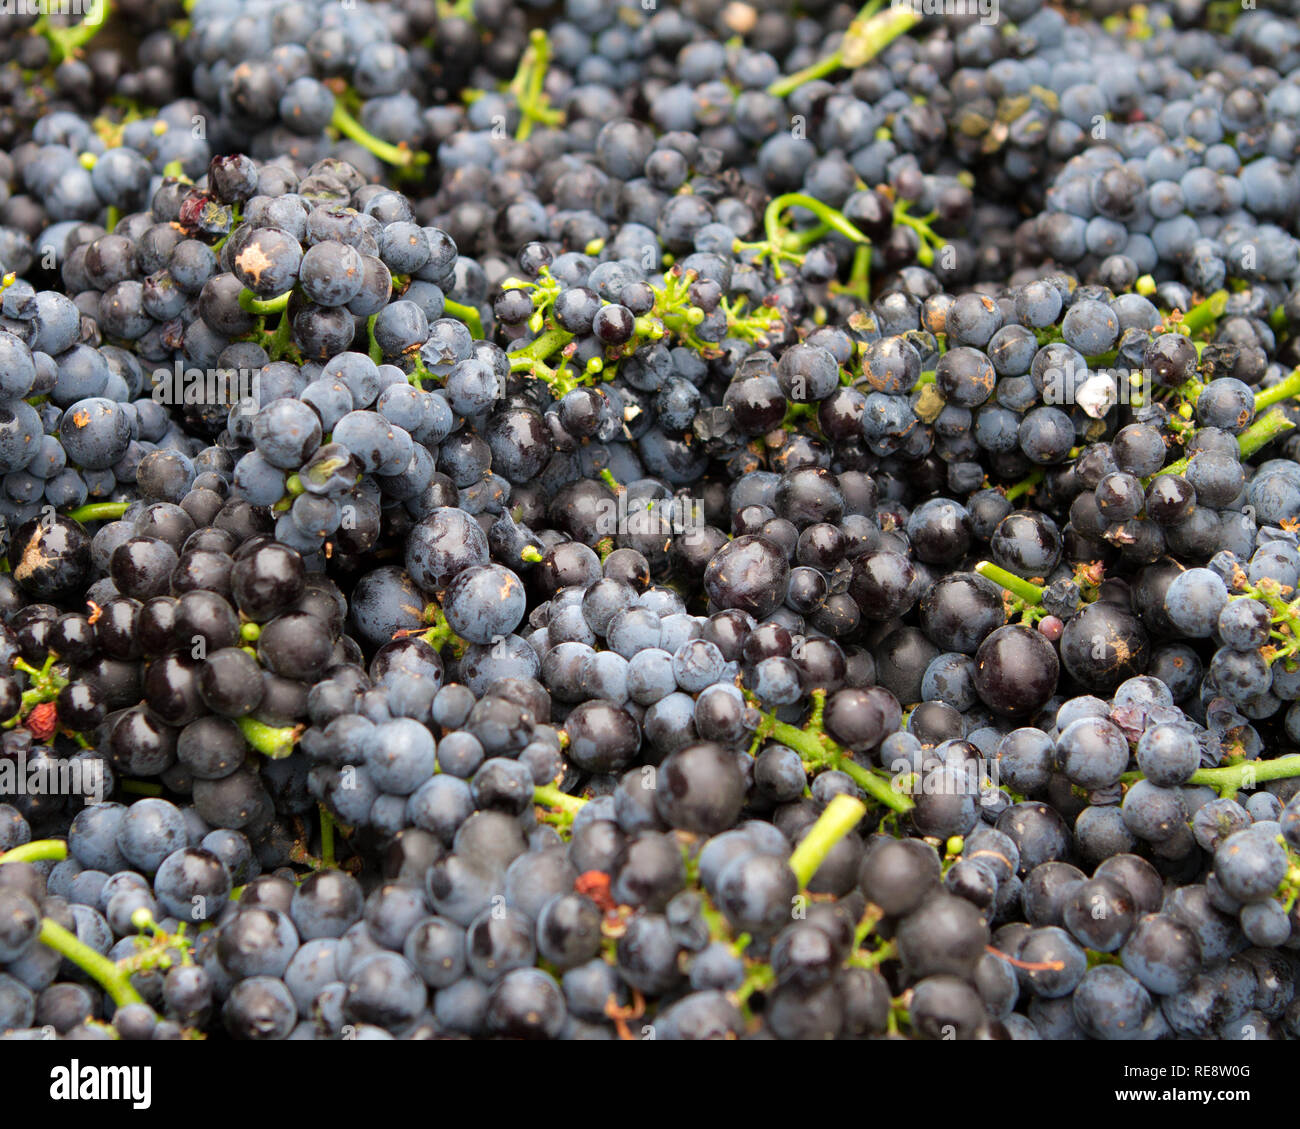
[
  {"x": 1249, "y": 866},
  {"x": 1111, "y": 1004}
]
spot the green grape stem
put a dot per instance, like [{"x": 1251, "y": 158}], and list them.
[
  {"x": 280, "y": 343},
  {"x": 1025, "y": 485},
  {"x": 390, "y": 154},
  {"x": 759, "y": 325},
  {"x": 1032, "y": 594},
  {"x": 250, "y": 303},
  {"x": 532, "y": 360},
  {"x": 66, "y": 42},
  {"x": 859, "y": 284},
  {"x": 833, "y": 218},
  {"x": 1283, "y": 614},
  {"x": 526, "y": 86},
  {"x": 841, "y": 816},
  {"x": 467, "y": 314},
  {"x": 326, "y": 838},
  {"x": 818, "y": 751},
  {"x": 45, "y": 686},
  {"x": 439, "y": 633},
  {"x": 929, "y": 241},
  {"x": 869, "y": 34},
  {"x": 273, "y": 742},
  {"x": 549, "y": 796},
  {"x": 1287, "y": 389},
  {"x": 759, "y": 978},
  {"x": 98, "y": 511},
  {"x": 540, "y": 349},
  {"x": 1205, "y": 313},
  {"x": 875, "y": 958},
  {"x": 1258, "y": 435},
  {"x": 1248, "y": 774},
  {"x": 39, "y": 850},
  {"x": 115, "y": 980}
]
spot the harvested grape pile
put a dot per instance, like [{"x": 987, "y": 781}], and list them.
[{"x": 610, "y": 520}]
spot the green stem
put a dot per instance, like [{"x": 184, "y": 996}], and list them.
[
  {"x": 869, "y": 34},
  {"x": 802, "y": 240},
  {"x": 114, "y": 980},
  {"x": 1030, "y": 593},
  {"x": 841, "y": 816},
  {"x": 541, "y": 348},
  {"x": 468, "y": 314},
  {"x": 759, "y": 978},
  {"x": 276, "y": 743},
  {"x": 281, "y": 341},
  {"x": 1026, "y": 484},
  {"x": 31, "y": 671},
  {"x": 876, "y": 787},
  {"x": 36, "y": 851},
  {"x": 1258, "y": 435},
  {"x": 376, "y": 352},
  {"x": 1206, "y": 313},
  {"x": 45, "y": 689},
  {"x": 347, "y": 125},
  {"x": 65, "y": 42},
  {"x": 440, "y": 633},
  {"x": 928, "y": 239},
  {"x": 1229, "y": 779},
  {"x": 866, "y": 925},
  {"x": 419, "y": 374},
  {"x": 1286, "y": 390},
  {"x": 834, "y": 219},
  {"x": 819, "y": 750},
  {"x": 526, "y": 86},
  {"x": 874, "y": 959},
  {"x": 98, "y": 511},
  {"x": 859, "y": 284},
  {"x": 250, "y": 303},
  {"x": 326, "y": 838},
  {"x": 549, "y": 796},
  {"x": 820, "y": 69}
]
